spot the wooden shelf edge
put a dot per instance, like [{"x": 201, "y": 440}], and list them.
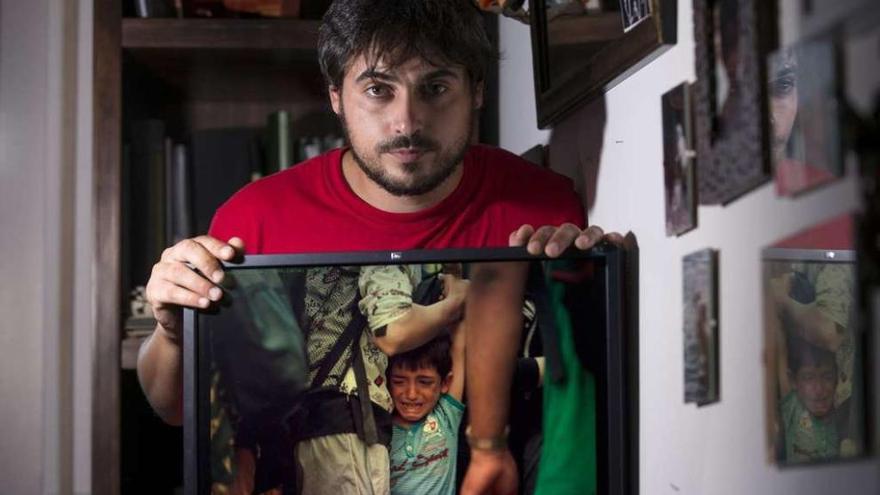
[{"x": 247, "y": 34}]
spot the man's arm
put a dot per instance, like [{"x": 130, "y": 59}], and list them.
[
  {"x": 173, "y": 285},
  {"x": 420, "y": 323},
  {"x": 494, "y": 323}
]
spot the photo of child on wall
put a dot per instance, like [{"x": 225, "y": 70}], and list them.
[{"x": 813, "y": 352}]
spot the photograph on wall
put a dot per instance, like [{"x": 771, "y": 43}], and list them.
[
  {"x": 632, "y": 12},
  {"x": 678, "y": 162},
  {"x": 700, "y": 293},
  {"x": 814, "y": 348},
  {"x": 804, "y": 116},
  {"x": 729, "y": 99}
]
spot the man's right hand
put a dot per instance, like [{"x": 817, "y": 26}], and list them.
[{"x": 173, "y": 284}]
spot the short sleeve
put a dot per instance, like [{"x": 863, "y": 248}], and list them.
[
  {"x": 834, "y": 293},
  {"x": 386, "y": 293}
]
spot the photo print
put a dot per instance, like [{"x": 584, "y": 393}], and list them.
[
  {"x": 678, "y": 161},
  {"x": 701, "y": 327},
  {"x": 292, "y": 353},
  {"x": 814, "y": 347},
  {"x": 805, "y": 117}
]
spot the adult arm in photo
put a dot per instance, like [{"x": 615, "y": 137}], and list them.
[{"x": 494, "y": 324}]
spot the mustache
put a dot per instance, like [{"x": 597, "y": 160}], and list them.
[{"x": 414, "y": 141}]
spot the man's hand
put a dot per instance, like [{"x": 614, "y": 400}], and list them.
[
  {"x": 552, "y": 241},
  {"x": 454, "y": 290},
  {"x": 173, "y": 284},
  {"x": 490, "y": 473}
]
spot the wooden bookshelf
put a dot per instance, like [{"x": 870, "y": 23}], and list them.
[{"x": 270, "y": 35}]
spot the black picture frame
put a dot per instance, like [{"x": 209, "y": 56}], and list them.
[
  {"x": 609, "y": 349},
  {"x": 733, "y": 150},
  {"x": 613, "y": 63}
]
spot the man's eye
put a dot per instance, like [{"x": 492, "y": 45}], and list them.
[
  {"x": 435, "y": 89},
  {"x": 378, "y": 91}
]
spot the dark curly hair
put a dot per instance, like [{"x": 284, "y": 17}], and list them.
[
  {"x": 433, "y": 354},
  {"x": 441, "y": 32}
]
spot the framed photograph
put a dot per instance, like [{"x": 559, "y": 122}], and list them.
[
  {"x": 678, "y": 161},
  {"x": 805, "y": 116},
  {"x": 731, "y": 120},
  {"x": 251, "y": 387},
  {"x": 632, "y": 12},
  {"x": 579, "y": 53},
  {"x": 701, "y": 327},
  {"x": 814, "y": 350}
]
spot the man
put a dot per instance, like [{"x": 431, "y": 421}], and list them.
[{"x": 406, "y": 80}]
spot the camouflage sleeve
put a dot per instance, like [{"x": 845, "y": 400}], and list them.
[
  {"x": 834, "y": 293},
  {"x": 386, "y": 293}
]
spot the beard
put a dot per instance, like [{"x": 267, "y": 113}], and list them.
[{"x": 422, "y": 177}]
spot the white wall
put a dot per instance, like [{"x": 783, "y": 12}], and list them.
[
  {"x": 717, "y": 449},
  {"x": 45, "y": 203}
]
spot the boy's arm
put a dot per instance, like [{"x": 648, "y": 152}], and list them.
[{"x": 456, "y": 385}]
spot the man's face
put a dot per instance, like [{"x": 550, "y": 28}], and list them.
[
  {"x": 409, "y": 126},
  {"x": 815, "y": 386},
  {"x": 416, "y": 392},
  {"x": 783, "y": 105}
]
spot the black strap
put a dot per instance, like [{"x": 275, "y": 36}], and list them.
[
  {"x": 349, "y": 336},
  {"x": 371, "y": 436}
]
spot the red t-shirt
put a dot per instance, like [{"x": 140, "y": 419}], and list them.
[{"x": 310, "y": 208}]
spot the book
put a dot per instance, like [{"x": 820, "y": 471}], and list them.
[
  {"x": 147, "y": 191},
  {"x": 279, "y": 146},
  {"x": 154, "y": 8},
  {"x": 223, "y": 161}
]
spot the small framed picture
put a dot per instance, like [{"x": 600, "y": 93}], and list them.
[
  {"x": 678, "y": 161},
  {"x": 701, "y": 327},
  {"x": 814, "y": 348},
  {"x": 729, "y": 97}
]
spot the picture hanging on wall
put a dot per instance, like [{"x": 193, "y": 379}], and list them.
[
  {"x": 730, "y": 97},
  {"x": 678, "y": 161},
  {"x": 701, "y": 327},
  {"x": 805, "y": 118},
  {"x": 813, "y": 347},
  {"x": 581, "y": 49}
]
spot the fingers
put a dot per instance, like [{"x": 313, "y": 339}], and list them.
[
  {"x": 589, "y": 237},
  {"x": 562, "y": 238},
  {"x": 521, "y": 236},
  {"x": 539, "y": 239}
]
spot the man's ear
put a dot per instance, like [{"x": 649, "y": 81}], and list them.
[
  {"x": 444, "y": 386},
  {"x": 335, "y": 97},
  {"x": 478, "y": 95}
]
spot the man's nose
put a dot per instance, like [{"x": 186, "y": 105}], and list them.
[{"x": 407, "y": 113}]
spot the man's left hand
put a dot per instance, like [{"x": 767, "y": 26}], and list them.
[{"x": 552, "y": 241}]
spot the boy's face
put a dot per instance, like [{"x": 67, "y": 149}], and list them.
[
  {"x": 416, "y": 392},
  {"x": 815, "y": 386},
  {"x": 409, "y": 126}
]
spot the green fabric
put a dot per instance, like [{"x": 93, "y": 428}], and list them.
[
  {"x": 568, "y": 460},
  {"x": 807, "y": 439}
]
